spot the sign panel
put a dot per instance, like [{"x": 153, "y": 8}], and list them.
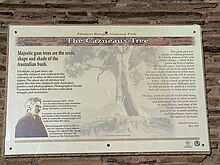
[{"x": 103, "y": 89}]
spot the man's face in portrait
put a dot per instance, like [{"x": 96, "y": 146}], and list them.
[{"x": 36, "y": 108}]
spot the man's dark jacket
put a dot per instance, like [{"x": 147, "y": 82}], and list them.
[{"x": 28, "y": 126}]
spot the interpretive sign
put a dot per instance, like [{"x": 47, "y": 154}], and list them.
[{"x": 99, "y": 89}]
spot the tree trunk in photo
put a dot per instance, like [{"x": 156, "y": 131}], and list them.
[
  {"x": 119, "y": 104},
  {"x": 124, "y": 103},
  {"x": 129, "y": 104}
]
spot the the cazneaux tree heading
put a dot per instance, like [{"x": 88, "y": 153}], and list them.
[{"x": 121, "y": 61}]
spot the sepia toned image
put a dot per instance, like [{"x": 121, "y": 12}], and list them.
[
  {"x": 31, "y": 125},
  {"x": 123, "y": 115}
]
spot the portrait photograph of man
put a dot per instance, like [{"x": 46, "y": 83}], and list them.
[{"x": 31, "y": 124}]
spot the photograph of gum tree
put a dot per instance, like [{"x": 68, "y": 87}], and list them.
[{"x": 123, "y": 63}]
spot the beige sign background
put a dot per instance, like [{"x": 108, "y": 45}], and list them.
[{"x": 97, "y": 89}]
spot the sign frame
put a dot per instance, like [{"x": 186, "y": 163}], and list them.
[{"x": 168, "y": 127}]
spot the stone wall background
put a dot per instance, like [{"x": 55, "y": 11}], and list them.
[{"x": 40, "y": 12}]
